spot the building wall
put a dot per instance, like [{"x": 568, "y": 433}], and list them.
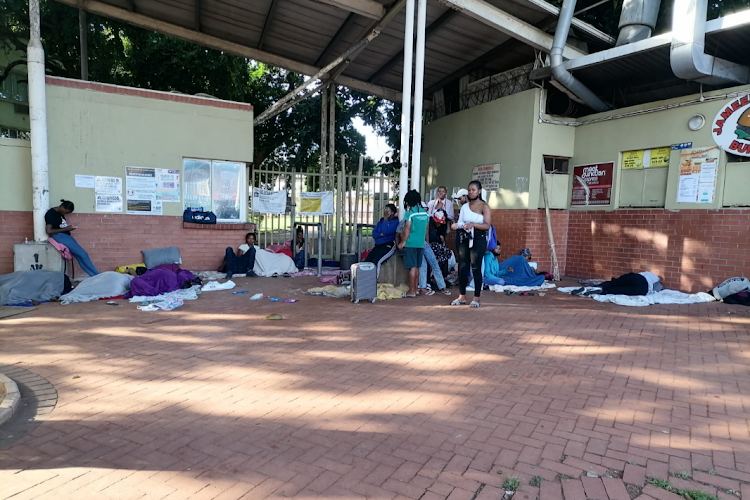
[
  {"x": 692, "y": 250},
  {"x": 15, "y": 171},
  {"x": 496, "y": 132},
  {"x": 691, "y": 246},
  {"x": 97, "y": 129}
]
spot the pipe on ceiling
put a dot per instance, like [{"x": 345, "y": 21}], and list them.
[
  {"x": 637, "y": 20},
  {"x": 562, "y": 75},
  {"x": 688, "y": 56}
]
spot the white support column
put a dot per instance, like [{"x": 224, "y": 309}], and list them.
[
  {"x": 38, "y": 118},
  {"x": 406, "y": 105},
  {"x": 416, "y": 152}
]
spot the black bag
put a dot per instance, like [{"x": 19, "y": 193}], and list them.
[{"x": 198, "y": 217}]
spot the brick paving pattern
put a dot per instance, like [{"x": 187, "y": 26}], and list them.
[{"x": 397, "y": 400}]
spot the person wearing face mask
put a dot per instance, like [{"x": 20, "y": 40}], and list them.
[{"x": 473, "y": 224}]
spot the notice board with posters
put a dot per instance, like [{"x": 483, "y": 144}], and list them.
[{"x": 592, "y": 184}]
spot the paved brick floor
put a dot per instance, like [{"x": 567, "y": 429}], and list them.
[{"x": 402, "y": 399}]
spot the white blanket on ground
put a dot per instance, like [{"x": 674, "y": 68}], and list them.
[
  {"x": 183, "y": 294},
  {"x": 663, "y": 297},
  {"x": 212, "y": 286},
  {"x": 269, "y": 263},
  {"x": 101, "y": 286},
  {"x": 513, "y": 288}
]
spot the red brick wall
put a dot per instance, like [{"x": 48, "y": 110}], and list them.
[
  {"x": 14, "y": 228},
  {"x": 691, "y": 250},
  {"x": 517, "y": 229},
  {"x": 116, "y": 240}
]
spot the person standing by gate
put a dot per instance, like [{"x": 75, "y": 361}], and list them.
[{"x": 58, "y": 229}]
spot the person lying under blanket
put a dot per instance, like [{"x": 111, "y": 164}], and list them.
[
  {"x": 159, "y": 280},
  {"x": 632, "y": 284}
]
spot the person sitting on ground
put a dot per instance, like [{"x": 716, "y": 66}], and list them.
[
  {"x": 298, "y": 248},
  {"x": 57, "y": 228},
  {"x": 632, "y": 284},
  {"x": 243, "y": 261},
  {"x": 514, "y": 271},
  {"x": 384, "y": 235},
  {"x": 413, "y": 238}
]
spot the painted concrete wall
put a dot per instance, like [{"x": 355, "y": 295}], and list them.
[
  {"x": 15, "y": 172},
  {"x": 496, "y": 132},
  {"x": 100, "y": 133},
  {"x": 508, "y": 131},
  {"x": 606, "y": 140}
]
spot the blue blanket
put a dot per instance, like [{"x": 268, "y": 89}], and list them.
[{"x": 522, "y": 274}]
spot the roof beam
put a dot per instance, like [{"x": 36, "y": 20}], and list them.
[
  {"x": 367, "y": 8},
  {"x": 433, "y": 28},
  {"x": 485, "y": 58},
  {"x": 577, "y": 23},
  {"x": 212, "y": 42},
  {"x": 511, "y": 26},
  {"x": 267, "y": 25},
  {"x": 373, "y": 27},
  {"x": 336, "y": 38}
]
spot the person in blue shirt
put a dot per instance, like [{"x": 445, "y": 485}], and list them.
[
  {"x": 513, "y": 271},
  {"x": 384, "y": 235}
]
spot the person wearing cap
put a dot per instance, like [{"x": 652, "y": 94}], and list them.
[{"x": 461, "y": 197}]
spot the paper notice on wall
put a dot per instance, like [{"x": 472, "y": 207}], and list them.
[
  {"x": 167, "y": 185},
  {"x": 108, "y": 203},
  {"x": 85, "y": 181},
  {"x": 143, "y": 207},
  {"x": 268, "y": 202},
  {"x": 140, "y": 183},
  {"x": 316, "y": 203},
  {"x": 488, "y": 175},
  {"x": 108, "y": 185},
  {"x": 698, "y": 172}
]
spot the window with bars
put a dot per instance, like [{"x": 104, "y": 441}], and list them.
[{"x": 556, "y": 164}]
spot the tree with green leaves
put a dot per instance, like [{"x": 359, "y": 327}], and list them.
[{"x": 123, "y": 54}]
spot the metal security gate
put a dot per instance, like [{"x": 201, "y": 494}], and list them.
[{"x": 352, "y": 208}]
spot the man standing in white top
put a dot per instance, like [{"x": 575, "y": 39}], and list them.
[{"x": 441, "y": 203}]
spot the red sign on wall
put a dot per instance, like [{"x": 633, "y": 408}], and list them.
[{"x": 592, "y": 184}]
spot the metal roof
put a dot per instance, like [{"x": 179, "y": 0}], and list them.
[
  {"x": 304, "y": 35},
  {"x": 641, "y": 71}
]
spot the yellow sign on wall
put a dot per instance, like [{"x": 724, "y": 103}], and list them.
[
  {"x": 645, "y": 158},
  {"x": 632, "y": 159},
  {"x": 660, "y": 157}
]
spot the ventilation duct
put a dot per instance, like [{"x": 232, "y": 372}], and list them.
[
  {"x": 562, "y": 75},
  {"x": 637, "y": 20},
  {"x": 688, "y": 56}
]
